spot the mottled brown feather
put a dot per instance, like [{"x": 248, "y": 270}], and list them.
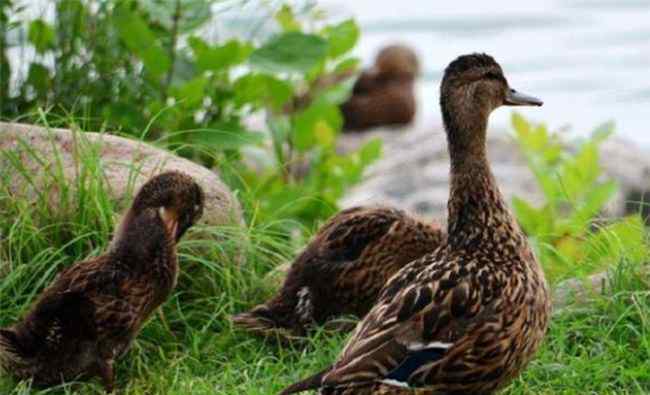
[
  {"x": 469, "y": 316},
  {"x": 89, "y": 315},
  {"x": 343, "y": 269}
]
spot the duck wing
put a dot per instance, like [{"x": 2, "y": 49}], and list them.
[
  {"x": 63, "y": 311},
  {"x": 50, "y": 325},
  {"x": 107, "y": 294},
  {"x": 346, "y": 235},
  {"x": 419, "y": 322}
]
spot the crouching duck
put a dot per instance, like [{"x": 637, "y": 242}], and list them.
[
  {"x": 90, "y": 314},
  {"x": 384, "y": 95},
  {"x": 342, "y": 270},
  {"x": 468, "y": 317}
]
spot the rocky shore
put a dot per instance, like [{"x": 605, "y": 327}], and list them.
[{"x": 413, "y": 173}]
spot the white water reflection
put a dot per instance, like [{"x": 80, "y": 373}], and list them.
[{"x": 588, "y": 60}]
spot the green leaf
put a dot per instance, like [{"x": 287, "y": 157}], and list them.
[
  {"x": 342, "y": 37},
  {"x": 347, "y": 65},
  {"x": 338, "y": 93},
  {"x": 124, "y": 113},
  {"x": 533, "y": 220},
  {"x": 191, "y": 93},
  {"x": 262, "y": 90},
  {"x": 225, "y": 136},
  {"x": 39, "y": 78},
  {"x": 137, "y": 37},
  {"x": 317, "y": 71},
  {"x": 595, "y": 200},
  {"x": 603, "y": 131},
  {"x": 221, "y": 57},
  {"x": 542, "y": 152},
  {"x": 526, "y": 214},
  {"x": 580, "y": 172},
  {"x": 193, "y": 13},
  {"x": 155, "y": 60},
  {"x": 310, "y": 122},
  {"x": 287, "y": 19},
  {"x": 341, "y": 171},
  {"x": 521, "y": 125},
  {"x": 587, "y": 161},
  {"x": 371, "y": 151},
  {"x": 290, "y": 52},
  {"x": 41, "y": 35},
  {"x": 324, "y": 135},
  {"x": 624, "y": 239}
]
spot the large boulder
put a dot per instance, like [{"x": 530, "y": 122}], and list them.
[
  {"x": 46, "y": 153},
  {"x": 414, "y": 172}
]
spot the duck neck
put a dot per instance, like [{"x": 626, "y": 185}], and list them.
[
  {"x": 478, "y": 215},
  {"x": 141, "y": 241}
]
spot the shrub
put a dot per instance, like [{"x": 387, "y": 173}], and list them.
[
  {"x": 142, "y": 68},
  {"x": 567, "y": 231}
]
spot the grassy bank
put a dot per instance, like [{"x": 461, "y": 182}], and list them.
[{"x": 600, "y": 347}]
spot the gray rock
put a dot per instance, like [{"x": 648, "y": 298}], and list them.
[
  {"x": 575, "y": 290},
  {"x": 413, "y": 173},
  {"x": 124, "y": 164},
  {"x": 583, "y": 290}
]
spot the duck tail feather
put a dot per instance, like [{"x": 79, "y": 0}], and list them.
[
  {"x": 269, "y": 320},
  {"x": 70, "y": 312},
  {"x": 10, "y": 349},
  {"x": 310, "y": 383}
]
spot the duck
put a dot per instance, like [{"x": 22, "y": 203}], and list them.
[
  {"x": 341, "y": 271},
  {"x": 468, "y": 317},
  {"x": 93, "y": 310},
  {"x": 384, "y": 94}
]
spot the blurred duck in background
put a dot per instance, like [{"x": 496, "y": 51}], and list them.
[{"x": 384, "y": 95}]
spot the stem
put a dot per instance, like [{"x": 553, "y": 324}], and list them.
[
  {"x": 4, "y": 63},
  {"x": 278, "y": 147},
  {"x": 172, "y": 49}
]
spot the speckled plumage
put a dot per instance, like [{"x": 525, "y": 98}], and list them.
[
  {"x": 468, "y": 317},
  {"x": 384, "y": 94},
  {"x": 343, "y": 269},
  {"x": 93, "y": 310}
]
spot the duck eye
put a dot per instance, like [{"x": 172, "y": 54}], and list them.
[{"x": 493, "y": 75}]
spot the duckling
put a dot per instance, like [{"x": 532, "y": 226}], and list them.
[
  {"x": 469, "y": 316},
  {"x": 342, "y": 270},
  {"x": 384, "y": 95},
  {"x": 93, "y": 310}
]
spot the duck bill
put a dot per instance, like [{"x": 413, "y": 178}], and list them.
[
  {"x": 514, "y": 98},
  {"x": 170, "y": 221}
]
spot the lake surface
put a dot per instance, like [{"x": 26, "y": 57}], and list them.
[{"x": 588, "y": 60}]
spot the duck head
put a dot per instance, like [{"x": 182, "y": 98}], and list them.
[
  {"x": 397, "y": 61},
  {"x": 171, "y": 198},
  {"x": 472, "y": 87}
]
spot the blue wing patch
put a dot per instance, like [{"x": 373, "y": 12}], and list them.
[{"x": 413, "y": 361}]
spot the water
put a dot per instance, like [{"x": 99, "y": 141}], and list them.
[{"x": 588, "y": 60}]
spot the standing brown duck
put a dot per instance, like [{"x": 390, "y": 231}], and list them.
[
  {"x": 384, "y": 95},
  {"x": 342, "y": 270},
  {"x": 93, "y": 310},
  {"x": 468, "y": 317}
]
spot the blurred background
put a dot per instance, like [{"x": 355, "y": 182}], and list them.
[
  {"x": 267, "y": 99},
  {"x": 589, "y": 60}
]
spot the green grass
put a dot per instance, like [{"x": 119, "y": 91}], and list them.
[{"x": 597, "y": 348}]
